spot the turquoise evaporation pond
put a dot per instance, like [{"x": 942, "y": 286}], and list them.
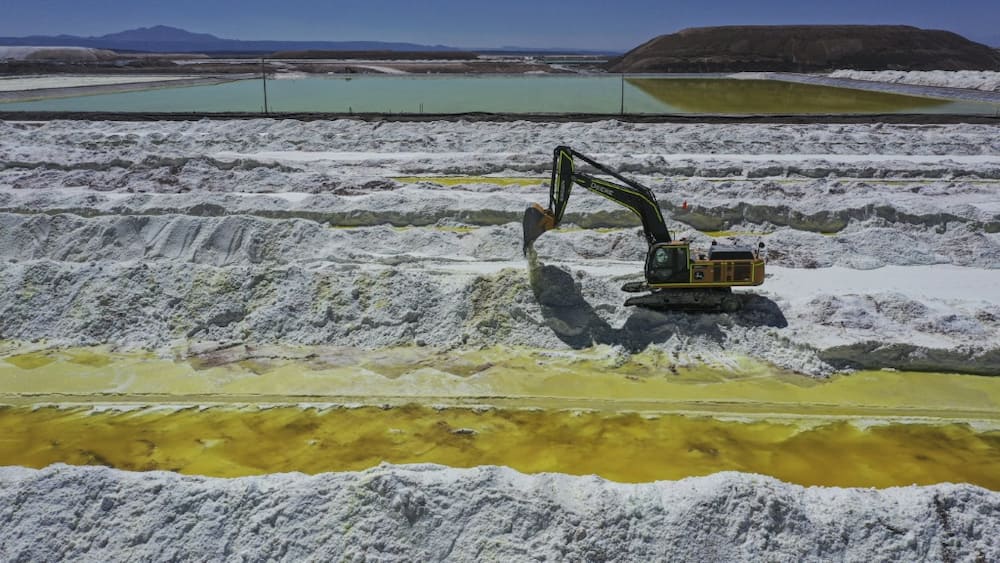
[{"x": 494, "y": 94}]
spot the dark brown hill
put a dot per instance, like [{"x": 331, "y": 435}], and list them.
[{"x": 804, "y": 48}]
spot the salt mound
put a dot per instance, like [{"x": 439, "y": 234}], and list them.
[
  {"x": 432, "y": 513},
  {"x": 76, "y": 54},
  {"x": 977, "y": 80}
]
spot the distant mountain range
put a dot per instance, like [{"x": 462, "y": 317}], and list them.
[{"x": 165, "y": 39}]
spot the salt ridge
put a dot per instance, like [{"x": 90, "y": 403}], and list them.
[{"x": 435, "y": 513}]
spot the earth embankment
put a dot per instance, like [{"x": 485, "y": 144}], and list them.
[{"x": 806, "y": 48}]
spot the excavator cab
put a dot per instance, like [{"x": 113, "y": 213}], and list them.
[{"x": 668, "y": 263}]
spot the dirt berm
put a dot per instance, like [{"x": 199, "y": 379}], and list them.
[{"x": 805, "y": 48}]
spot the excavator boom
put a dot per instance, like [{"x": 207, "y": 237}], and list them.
[{"x": 629, "y": 193}]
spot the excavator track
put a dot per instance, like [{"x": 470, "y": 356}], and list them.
[{"x": 709, "y": 299}]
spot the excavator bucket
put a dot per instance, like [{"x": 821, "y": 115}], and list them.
[{"x": 536, "y": 221}]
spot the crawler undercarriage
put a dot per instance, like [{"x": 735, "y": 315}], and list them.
[{"x": 710, "y": 299}]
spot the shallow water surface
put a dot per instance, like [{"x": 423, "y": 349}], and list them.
[
  {"x": 228, "y": 442},
  {"x": 699, "y": 95},
  {"x": 597, "y": 378},
  {"x": 246, "y": 410},
  {"x": 598, "y": 94}
]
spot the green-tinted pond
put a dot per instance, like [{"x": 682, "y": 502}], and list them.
[
  {"x": 608, "y": 94},
  {"x": 701, "y": 95}
]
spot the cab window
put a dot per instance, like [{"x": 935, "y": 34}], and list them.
[
  {"x": 662, "y": 259},
  {"x": 668, "y": 265}
]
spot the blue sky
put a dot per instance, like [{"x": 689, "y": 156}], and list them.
[{"x": 466, "y": 23}]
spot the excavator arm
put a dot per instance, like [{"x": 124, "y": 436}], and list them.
[{"x": 630, "y": 194}]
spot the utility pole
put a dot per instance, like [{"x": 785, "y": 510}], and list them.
[
  {"x": 622, "y": 108},
  {"x": 263, "y": 77}
]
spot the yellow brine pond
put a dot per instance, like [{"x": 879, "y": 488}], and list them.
[{"x": 244, "y": 410}]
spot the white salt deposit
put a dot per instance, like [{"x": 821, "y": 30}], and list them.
[
  {"x": 972, "y": 79},
  {"x": 434, "y": 513},
  {"x": 219, "y": 229},
  {"x": 54, "y": 53},
  {"x": 169, "y": 235},
  {"x": 16, "y": 84},
  {"x": 355, "y": 156},
  {"x": 382, "y": 69}
]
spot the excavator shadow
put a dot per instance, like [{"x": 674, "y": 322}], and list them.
[{"x": 579, "y": 325}]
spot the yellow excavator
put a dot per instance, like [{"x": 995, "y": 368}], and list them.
[{"x": 675, "y": 280}]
